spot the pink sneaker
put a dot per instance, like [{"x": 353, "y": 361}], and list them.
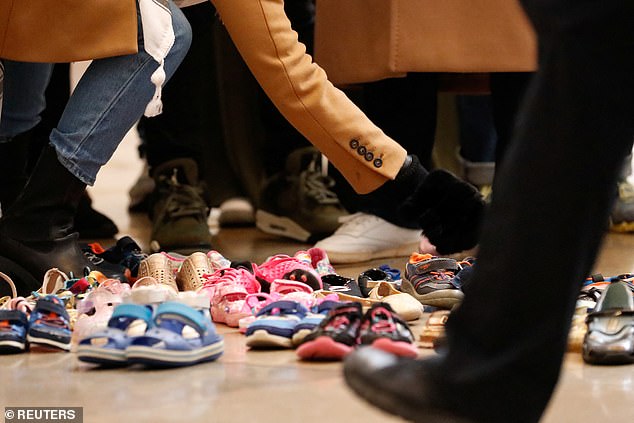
[
  {"x": 282, "y": 266},
  {"x": 227, "y": 290},
  {"x": 317, "y": 259}
]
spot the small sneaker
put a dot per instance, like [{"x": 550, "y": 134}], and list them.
[
  {"x": 335, "y": 337},
  {"x": 282, "y": 266},
  {"x": 383, "y": 329},
  {"x": 313, "y": 318},
  {"x": 298, "y": 203},
  {"x": 622, "y": 217},
  {"x": 227, "y": 290},
  {"x": 236, "y": 211},
  {"x": 179, "y": 212},
  {"x": 431, "y": 280},
  {"x": 364, "y": 237},
  {"x": 274, "y": 325}
]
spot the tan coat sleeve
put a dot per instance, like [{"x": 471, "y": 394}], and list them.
[{"x": 301, "y": 91}]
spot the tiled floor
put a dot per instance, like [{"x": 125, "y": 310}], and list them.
[{"x": 268, "y": 386}]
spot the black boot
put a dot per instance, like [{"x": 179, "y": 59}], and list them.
[
  {"x": 35, "y": 232},
  {"x": 92, "y": 224},
  {"x": 13, "y": 167}
]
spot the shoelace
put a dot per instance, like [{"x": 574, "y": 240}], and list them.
[
  {"x": 183, "y": 200},
  {"x": 318, "y": 187},
  {"x": 356, "y": 222}
]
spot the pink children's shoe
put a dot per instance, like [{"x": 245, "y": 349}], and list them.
[
  {"x": 282, "y": 266},
  {"x": 227, "y": 290}
]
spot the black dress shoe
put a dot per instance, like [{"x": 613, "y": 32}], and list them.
[{"x": 398, "y": 386}]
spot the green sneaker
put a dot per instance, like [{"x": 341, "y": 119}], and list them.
[
  {"x": 622, "y": 217},
  {"x": 178, "y": 211},
  {"x": 298, "y": 203}
]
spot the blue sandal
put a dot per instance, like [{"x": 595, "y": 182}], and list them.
[
  {"x": 108, "y": 347},
  {"x": 49, "y": 324},
  {"x": 13, "y": 327},
  {"x": 181, "y": 336}
]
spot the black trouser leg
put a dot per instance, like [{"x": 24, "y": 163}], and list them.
[{"x": 552, "y": 198}]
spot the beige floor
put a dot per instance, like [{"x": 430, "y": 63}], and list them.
[{"x": 247, "y": 386}]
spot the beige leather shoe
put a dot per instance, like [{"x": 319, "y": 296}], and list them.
[
  {"x": 190, "y": 277},
  {"x": 158, "y": 266}
]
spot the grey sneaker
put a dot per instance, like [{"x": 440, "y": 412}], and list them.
[
  {"x": 178, "y": 210},
  {"x": 622, "y": 217},
  {"x": 299, "y": 203}
]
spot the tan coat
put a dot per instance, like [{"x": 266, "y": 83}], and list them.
[
  {"x": 367, "y": 40},
  {"x": 298, "y": 87},
  {"x": 67, "y": 30}
]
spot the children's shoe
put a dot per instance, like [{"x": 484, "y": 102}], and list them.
[
  {"x": 285, "y": 267},
  {"x": 159, "y": 267},
  {"x": 335, "y": 337},
  {"x": 227, "y": 290},
  {"x": 334, "y": 283},
  {"x": 431, "y": 280},
  {"x": 275, "y": 324},
  {"x": 433, "y": 333},
  {"x": 317, "y": 259},
  {"x": 382, "y": 328},
  {"x": 181, "y": 336},
  {"x": 372, "y": 277},
  {"x": 610, "y": 336},
  {"x": 13, "y": 328},
  {"x": 192, "y": 272},
  {"x": 108, "y": 346},
  {"x": 312, "y": 319},
  {"x": 407, "y": 307},
  {"x": 49, "y": 324}
]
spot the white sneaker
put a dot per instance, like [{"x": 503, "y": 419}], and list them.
[{"x": 363, "y": 237}]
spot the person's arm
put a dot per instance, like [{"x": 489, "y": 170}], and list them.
[{"x": 447, "y": 208}]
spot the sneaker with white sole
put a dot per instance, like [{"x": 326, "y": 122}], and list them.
[{"x": 363, "y": 237}]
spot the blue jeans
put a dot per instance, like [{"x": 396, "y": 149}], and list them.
[{"x": 110, "y": 97}]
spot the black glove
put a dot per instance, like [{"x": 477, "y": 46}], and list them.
[{"x": 448, "y": 210}]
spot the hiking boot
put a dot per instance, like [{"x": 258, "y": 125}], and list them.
[
  {"x": 298, "y": 203},
  {"x": 622, "y": 217},
  {"x": 178, "y": 211}
]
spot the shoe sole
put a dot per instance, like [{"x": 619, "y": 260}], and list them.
[
  {"x": 443, "y": 298},
  {"x": 279, "y": 225},
  {"x": 165, "y": 358},
  {"x": 338, "y": 257},
  {"x": 12, "y": 347},
  {"x": 400, "y": 348},
  {"x": 103, "y": 356},
  {"x": 323, "y": 348},
  {"x": 623, "y": 227},
  {"x": 394, "y": 404},
  {"x": 262, "y": 339},
  {"x": 35, "y": 341}
]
